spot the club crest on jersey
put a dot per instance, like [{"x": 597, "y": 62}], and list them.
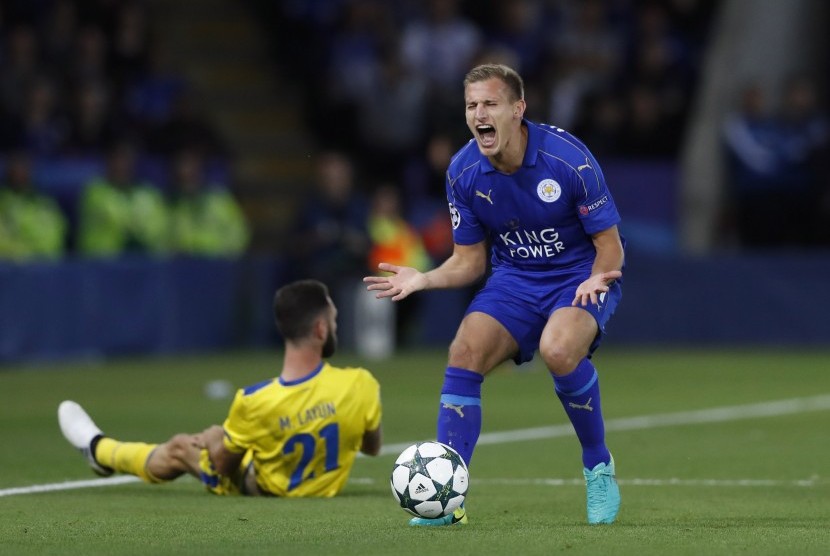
[
  {"x": 455, "y": 216},
  {"x": 549, "y": 190}
]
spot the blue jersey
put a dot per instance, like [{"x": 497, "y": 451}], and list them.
[{"x": 540, "y": 217}]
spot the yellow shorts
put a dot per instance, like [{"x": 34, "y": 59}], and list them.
[{"x": 233, "y": 484}]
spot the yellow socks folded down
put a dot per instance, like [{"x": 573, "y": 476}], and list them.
[{"x": 126, "y": 457}]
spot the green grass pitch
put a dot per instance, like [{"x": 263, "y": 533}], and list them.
[{"x": 747, "y": 479}]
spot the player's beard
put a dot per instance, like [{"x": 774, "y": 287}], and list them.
[{"x": 330, "y": 345}]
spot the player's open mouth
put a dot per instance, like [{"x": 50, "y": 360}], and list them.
[{"x": 486, "y": 135}]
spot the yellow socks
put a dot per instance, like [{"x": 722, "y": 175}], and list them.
[{"x": 126, "y": 457}]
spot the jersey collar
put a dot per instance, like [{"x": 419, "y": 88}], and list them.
[
  {"x": 534, "y": 139},
  {"x": 531, "y": 150},
  {"x": 314, "y": 373}
]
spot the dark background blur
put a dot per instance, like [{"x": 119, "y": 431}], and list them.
[{"x": 331, "y": 122}]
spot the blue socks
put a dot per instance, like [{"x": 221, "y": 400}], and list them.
[
  {"x": 459, "y": 415},
  {"x": 579, "y": 393}
]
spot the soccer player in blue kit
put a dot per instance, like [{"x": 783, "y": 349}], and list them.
[{"x": 536, "y": 196}]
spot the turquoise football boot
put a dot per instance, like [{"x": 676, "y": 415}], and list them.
[
  {"x": 458, "y": 517},
  {"x": 603, "y": 493}
]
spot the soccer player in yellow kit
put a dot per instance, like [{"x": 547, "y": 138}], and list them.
[{"x": 296, "y": 435}]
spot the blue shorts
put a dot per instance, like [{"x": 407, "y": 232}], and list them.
[{"x": 523, "y": 301}]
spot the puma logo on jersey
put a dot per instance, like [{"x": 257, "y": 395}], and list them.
[
  {"x": 584, "y": 166},
  {"x": 483, "y": 196},
  {"x": 457, "y": 408},
  {"x": 586, "y": 406}
]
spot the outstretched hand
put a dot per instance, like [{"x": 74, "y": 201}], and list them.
[
  {"x": 402, "y": 281},
  {"x": 589, "y": 290}
]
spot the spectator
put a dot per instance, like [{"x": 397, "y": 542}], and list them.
[
  {"x": 57, "y": 35},
  {"x": 353, "y": 58},
  {"x": 352, "y": 68},
  {"x": 647, "y": 133},
  {"x": 804, "y": 129},
  {"x": 331, "y": 239},
  {"x": 19, "y": 67},
  {"x": 394, "y": 240},
  {"x": 441, "y": 46},
  {"x": 41, "y": 128},
  {"x": 426, "y": 173},
  {"x": 206, "y": 219},
  {"x": 520, "y": 27},
  {"x": 425, "y": 192},
  {"x": 151, "y": 97},
  {"x": 774, "y": 163},
  {"x": 603, "y": 126},
  {"x": 188, "y": 128},
  {"x": 690, "y": 23},
  {"x": 32, "y": 225},
  {"x": 438, "y": 46},
  {"x": 92, "y": 127},
  {"x": 90, "y": 59},
  {"x": 587, "y": 55},
  {"x": 754, "y": 157},
  {"x": 400, "y": 97},
  {"x": 130, "y": 44},
  {"x": 119, "y": 214},
  {"x": 634, "y": 61},
  {"x": 660, "y": 67}
]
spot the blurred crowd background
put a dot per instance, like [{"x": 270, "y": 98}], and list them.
[
  {"x": 105, "y": 149},
  {"x": 318, "y": 132}
]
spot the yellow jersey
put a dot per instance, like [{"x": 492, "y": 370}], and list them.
[{"x": 304, "y": 435}]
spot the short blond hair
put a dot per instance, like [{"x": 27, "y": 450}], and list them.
[{"x": 508, "y": 75}]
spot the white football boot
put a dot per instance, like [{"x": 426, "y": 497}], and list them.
[{"x": 79, "y": 429}]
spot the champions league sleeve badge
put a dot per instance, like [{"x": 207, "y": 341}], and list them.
[{"x": 455, "y": 216}]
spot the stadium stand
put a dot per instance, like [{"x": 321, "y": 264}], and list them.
[{"x": 263, "y": 88}]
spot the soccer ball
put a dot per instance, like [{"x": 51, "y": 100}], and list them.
[{"x": 429, "y": 480}]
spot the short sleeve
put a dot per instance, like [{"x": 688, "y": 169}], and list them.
[
  {"x": 466, "y": 229},
  {"x": 237, "y": 436},
  {"x": 596, "y": 208}
]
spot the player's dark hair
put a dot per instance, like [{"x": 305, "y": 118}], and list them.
[
  {"x": 297, "y": 305},
  {"x": 508, "y": 75}
]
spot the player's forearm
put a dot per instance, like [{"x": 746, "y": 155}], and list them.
[
  {"x": 453, "y": 273},
  {"x": 372, "y": 441},
  {"x": 607, "y": 260},
  {"x": 610, "y": 255},
  {"x": 223, "y": 459},
  {"x": 466, "y": 265}
]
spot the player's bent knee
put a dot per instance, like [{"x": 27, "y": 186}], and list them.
[
  {"x": 464, "y": 356},
  {"x": 558, "y": 359}
]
